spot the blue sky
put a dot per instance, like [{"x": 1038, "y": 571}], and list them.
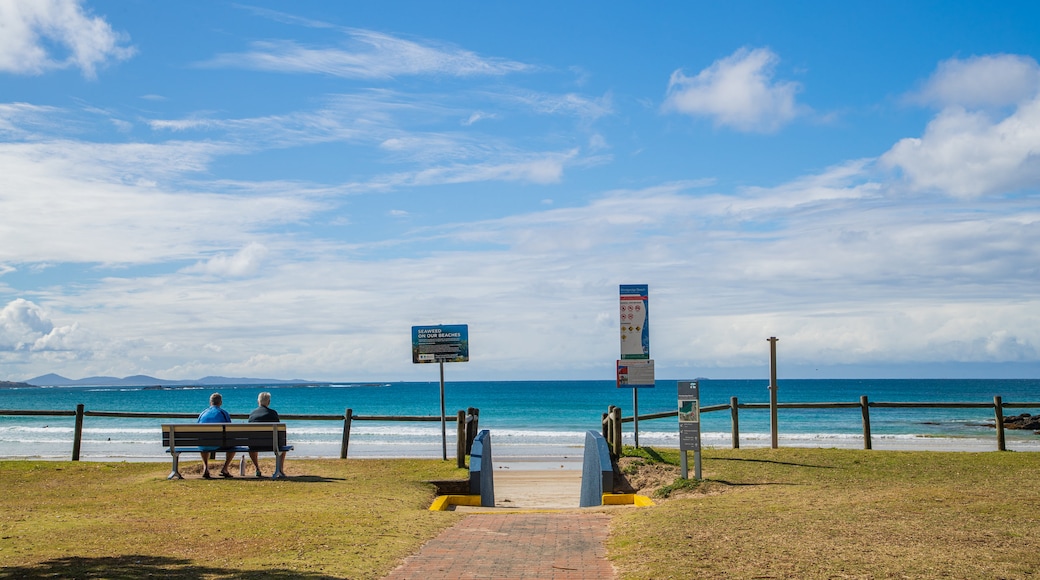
[{"x": 283, "y": 189}]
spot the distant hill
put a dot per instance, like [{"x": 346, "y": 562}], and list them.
[
  {"x": 53, "y": 380},
  {"x": 10, "y": 385}
]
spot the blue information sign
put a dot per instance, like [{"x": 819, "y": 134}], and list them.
[{"x": 443, "y": 343}]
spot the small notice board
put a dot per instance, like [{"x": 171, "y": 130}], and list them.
[{"x": 440, "y": 344}]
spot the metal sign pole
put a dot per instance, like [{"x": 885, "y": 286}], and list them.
[
  {"x": 635, "y": 416},
  {"x": 444, "y": 426}
]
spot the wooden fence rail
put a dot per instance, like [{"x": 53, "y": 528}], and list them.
[
  {"x": 467, "y": 423},
  {"x": 998, "y": 405}
]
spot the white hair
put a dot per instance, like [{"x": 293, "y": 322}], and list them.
[{"x": 264, "y": 399}]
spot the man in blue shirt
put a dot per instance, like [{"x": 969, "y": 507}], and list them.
[{"x": 214, "y": 414}]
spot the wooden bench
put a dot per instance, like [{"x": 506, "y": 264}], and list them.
[{"x": 224, "y": 437}]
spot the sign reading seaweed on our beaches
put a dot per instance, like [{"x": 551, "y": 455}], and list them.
[{"x": 442, "y": 343}]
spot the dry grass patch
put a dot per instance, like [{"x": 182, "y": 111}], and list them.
[
  {"x": 824, "y": 513},
  {"x": 330, "y": 519}
]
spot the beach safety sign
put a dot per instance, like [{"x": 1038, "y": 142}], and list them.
[
  {"x": 443, "y": 343},
  {"x": 635, "y": 322}
]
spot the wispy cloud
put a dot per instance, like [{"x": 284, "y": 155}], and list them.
[
  {"x": 368, "y": 55},
  {"x": 737, "y": 91},
  {"x": 44, "y": 35}
]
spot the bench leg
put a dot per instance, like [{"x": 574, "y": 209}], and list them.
[
  {"x": 278, "y": 465},
  {"x": 175, "y": 473}
]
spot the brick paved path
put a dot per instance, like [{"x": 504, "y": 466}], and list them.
[{"x": 549, "y": 546}]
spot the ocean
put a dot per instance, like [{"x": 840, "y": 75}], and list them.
[{"x": 527, "y": 419}]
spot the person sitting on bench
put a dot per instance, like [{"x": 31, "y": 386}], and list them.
[
  {"x": 263, "y": 414},
  {"x": 215, "y": 414}
]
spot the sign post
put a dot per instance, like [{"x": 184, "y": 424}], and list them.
[
  {"x": 689, "y": 427},
  {"x": 635, "y": 344},
  {"x": 441, "y": 344}
]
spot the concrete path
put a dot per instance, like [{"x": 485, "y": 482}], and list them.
[{"x": 549, "y": 546}]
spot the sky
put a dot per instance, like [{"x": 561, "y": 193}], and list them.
[{"x": 282, "y": 190}]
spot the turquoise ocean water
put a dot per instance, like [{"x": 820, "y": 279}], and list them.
[{"x": 527, "y": 419}]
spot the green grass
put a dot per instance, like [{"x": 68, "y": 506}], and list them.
[
  {"x": 342, "y": 519},
  {"x": 758, "y": 513},
  {"x": 825, "y": 513}
]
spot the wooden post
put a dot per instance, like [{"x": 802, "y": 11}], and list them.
[
  {"x": 772, "y": 392},
  {"x": 78, "y": 436},
  {"x": 865, "y": 407},
  {"x": 460, "y": 443},
  {"x": 348, "y": 416},
  {"x": 998, "y": 410},
  {"x": 472, "y": 427},
  {"x": 605, "y": 423},
  {"x": 617, "y": 431},
  {"x": 735, "y": 420}
]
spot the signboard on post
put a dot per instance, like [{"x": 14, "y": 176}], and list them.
[
  {"x": 689, "y": 425},
  {"x": 635, "y": 322},
  {"x": 637, "y": 374},
  {"x": 441, "y": 344}
]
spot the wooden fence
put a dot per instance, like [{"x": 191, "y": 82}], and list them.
[
  {"x": 998, "y": 406},
  {"x": 467, "y": 423}
]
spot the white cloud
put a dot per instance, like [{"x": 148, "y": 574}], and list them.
[
  {"x": 982, "y": 81},
  {"x": 127, "y": 201},
  {"x": 245, "y": 262},
  {"x": 737, "y": 91},
  {"x": 372, "y": 55},
  {"x": 25, "y": 326},
  {"x": 973, "y": 147},
  {"x": 33, "y": 28}
]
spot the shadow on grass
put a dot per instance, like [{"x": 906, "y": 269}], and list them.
[
  {"x": 751, "y": 484},
  {"x": 135, "y": 567},
  {"x": 287, "y": 479},
  {"x": 773, "y": 462}
]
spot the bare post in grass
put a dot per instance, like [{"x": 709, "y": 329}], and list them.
[
  {"x": 773, "y": 431},
  {"x": 865, "y": 407},
  {"x": 78, "y": 437},
  {"x": 998, "y": 409},
  {"x": 348, "y": 416},
  {"x": 733, "y": 406}
]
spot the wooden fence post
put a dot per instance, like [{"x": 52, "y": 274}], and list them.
[
  {"x": 472, "y": 427},
  {"x": 348, "y": 416},
  {"x": 616, "y": 420},
  {"x": 460, "y": 443},
  {"x": 998, "y": 410},
  {"x": 735, "y": 429},
  {"x": 77, "y": 438},
  {"x": 865, "y": 407}
]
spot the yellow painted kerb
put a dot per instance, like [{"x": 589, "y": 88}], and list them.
[
  {"x": 443, "y": 502},
  {"x": 627, "y": 499}
]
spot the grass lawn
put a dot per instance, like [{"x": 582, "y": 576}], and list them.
[
  {"x": 331, "y": 519},
  {"x": 826, "y": 513},
  {"x": 758, "y": 513}
]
